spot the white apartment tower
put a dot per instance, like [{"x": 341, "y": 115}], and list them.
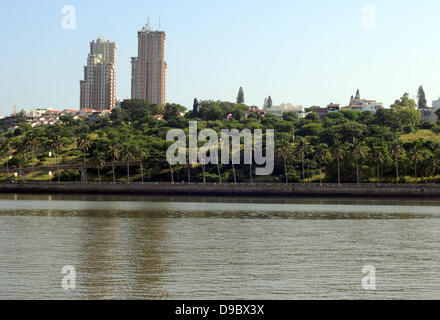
[
  {"x": 98, "y": 89},
  {"x": 148, "y": 69}
]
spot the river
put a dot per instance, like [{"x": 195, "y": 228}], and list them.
[{"x": 138, "y": 247}]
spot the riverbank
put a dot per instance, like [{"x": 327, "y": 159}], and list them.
[{"x": 241, "y": 190}]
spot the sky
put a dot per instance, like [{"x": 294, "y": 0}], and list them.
[{"x": 303, "y": 52}]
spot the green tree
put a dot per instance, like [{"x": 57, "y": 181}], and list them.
[
  {"x": 188, "y": 167},
  {"x": 196, "y": 106},
  {"x": 428, "y": 161},
  {"x": 21, "y": 117},
  {"x": 172, "y": 174},
  {"x": 406, "y": 112},
  {"x": 265, "y": 104},
  {"x": 138, "y": 109},
  {"x": 378, "y": 153},
  {"x": 313, "y": 116},
  {"x": 322, "y": 154},
  {"x": 302, "y": 148},
  {"x": 118, "y": 117},
  {"x": 269, "y": 102},
  {"x": 57, "y": 143},
  {"x": 84, "y": 144},
  {"x": 310, "y": 130},
  {"x": 338, "y": 153},
  {"x": 203, "y": 172},
  {"x": 219, "y": 174},
  {"x": 359, "y": 152},
  {"x": 436, "y": 162},
  {"x": 421, "y": 98},
  {"x": 213, "y": 113},
  {"x": 240, "y": 96},
  {"x": 98, "y": 161},
  {"x": 173, "y": 110},
  {"x": 291, "y": 116},
  {"x": 128, "y": 156},
  {"x": 21, "y": 154},
  {"x": 417, "y": 157},
  {"x": 231, "y": 153},
  {"x": 7, "y": 150},
  {"x": 396, "y": 151},
  {"x": 32, "y": 143},
  {"x": 140, "y": 155},
  {"x": 284, "y": 151},
  {"x": 114, "y": 154}
]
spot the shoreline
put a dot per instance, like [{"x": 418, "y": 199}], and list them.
[{"x": 231, "y": 190}]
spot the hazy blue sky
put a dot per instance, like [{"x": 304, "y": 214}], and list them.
[{"x": 305, "y": 52}]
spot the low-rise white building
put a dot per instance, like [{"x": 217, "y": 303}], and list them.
[
  {"x": 358, "y": 104},
  {"x": 333, "y": 107},
  {"x": 436, "y": 103},
  {"x": 429, "y": 114},
  {"x": 278, "y": 111},
  {"x": 373, "y": 107},
  {"x": 118, "y": 103}
]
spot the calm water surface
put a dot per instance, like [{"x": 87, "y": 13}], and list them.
[{"x": 209, "y": 248}]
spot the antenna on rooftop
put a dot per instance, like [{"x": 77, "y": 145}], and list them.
[{"x": 159, "y": 23}]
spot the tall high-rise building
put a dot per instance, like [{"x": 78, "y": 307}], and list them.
[
  {"x": 98, "y": 89},
  {"x": 148, "y": 69}
]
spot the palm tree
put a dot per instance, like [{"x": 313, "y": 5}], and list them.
[
  {"x": 219, "y": 173},
  {"x": 250, "y": 173},
  {"x": 32, "y": 144},
  {"x": 99, "y": 161},
  {"x": 416, "y": 157},
  {"x": 430, "y": 165},
  {"x": 21, "y": 153},
  {"x": 128, "y": 155},
  {"x": 140, "y": 155},
  {"x": 57, "y": 143},
  {"x": 251, "y": 179},
  {"x": 231, "y": 151},
  {"x": 436, "y": 165},
  {"x": 436, "y": 160},
  {"x": 338, "y": 153},
  {"x": 397, "y": 151},
  {"x": 428, "y": 160},
  {"x": 378, "y": 154},
  {"x": 114, "y": 154},
  {"x": 84, "y": 143},
  {"x": 6, "y": 149},
  {"x": 321, "y": 154},
  {"x": 233, "y": 172},
  {"x": 172, "y": 173},
  {"x": 188, "y": 166},
  {"x": 302, "y": 148},
  {"x": 359, "y": 152},
  {"x": 203, "y": 172},
  {"x": 284, "y": 152}
]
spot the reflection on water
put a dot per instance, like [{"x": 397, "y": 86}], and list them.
[{"x": 190, "y": 248}]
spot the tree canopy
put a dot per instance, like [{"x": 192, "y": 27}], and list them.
[{"x": 130, "y": 145}]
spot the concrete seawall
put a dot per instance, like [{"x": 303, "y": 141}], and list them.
[{"x": 242, "y": 190}]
